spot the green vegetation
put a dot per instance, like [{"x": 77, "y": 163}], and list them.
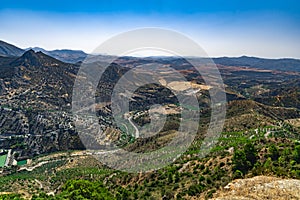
[
  {"x": 83, "y": 189},
  {"x": 190, "y": 176},
  {"x": 11, "y": 197},
  {"x": 2, "y": 160},
  {"x": 22, "y": 162},
  {"x": 245, "y": 158}
]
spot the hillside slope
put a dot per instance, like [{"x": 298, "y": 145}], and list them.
[{"x": 7, "y": 49}]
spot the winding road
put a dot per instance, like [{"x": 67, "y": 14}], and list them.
[{"x": 137, "y": 132}]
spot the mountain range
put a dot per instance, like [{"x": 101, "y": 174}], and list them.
[
  {"x": 65, "y": 55},
  {"x": 74, "y": 56}
]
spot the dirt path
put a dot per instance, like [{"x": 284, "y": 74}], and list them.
[{"x": 137, "y": 132}]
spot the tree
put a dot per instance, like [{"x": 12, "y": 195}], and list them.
[
  {"x": 274, "y": 153},
  {"x": 245, "y": 159},
  {"x": 251, "y": 153},
  {"x": 296, "y": 154},
  {"x": 83, "y": 189},
  {"x": 239, "y": 161}
]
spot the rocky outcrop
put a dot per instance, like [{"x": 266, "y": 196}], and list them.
[{"x": 260, "y": 187}]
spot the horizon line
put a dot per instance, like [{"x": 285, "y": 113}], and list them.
[{"x": 149, "y": 56}]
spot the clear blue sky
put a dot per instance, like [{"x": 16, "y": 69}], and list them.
[{"x": 265, "y": 28}]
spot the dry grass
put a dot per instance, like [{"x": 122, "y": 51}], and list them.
[
  {"x": 294, "y": 122},
  {"x": 260, "y": 187},
  {"x": 182, "y": 86}
]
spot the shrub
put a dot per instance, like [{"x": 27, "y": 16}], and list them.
[
  {"x": 237, "y": 174},
  {"x": 80, "y": 189},
  {"x": 194, "y": 190},
  {"x": 210, "y": 193}
]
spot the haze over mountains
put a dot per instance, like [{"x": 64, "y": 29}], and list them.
[
  {"x": 74, "y": 56},
  {"x": 65, "y": 55}
]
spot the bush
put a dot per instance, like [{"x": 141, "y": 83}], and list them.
[
  {"x": 194, "y": 190},
  {"x": 83, "y": 189},
  {"x": 237, "y": 174},
  {"x": 10, "y": 197},
  {"x": 210, "y": 193},
  {"x": 201, "y": 179}
]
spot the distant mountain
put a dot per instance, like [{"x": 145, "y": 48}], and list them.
[
  {"x": 36, "y": 59},
  {"x": 284, "y": 64},
  {"x": 75, "y": 56},
  {"x": 9, "y": 50},
  {"x": 36, "y": 49},
  {"x": 65, "y": 55}
]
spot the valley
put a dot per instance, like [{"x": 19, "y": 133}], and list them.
[{"x": 42, "y": 155}]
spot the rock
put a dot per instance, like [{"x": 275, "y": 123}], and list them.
[{"x": 260, "y": 187}]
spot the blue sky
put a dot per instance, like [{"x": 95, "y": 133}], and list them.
[{"x": 223, "y": 28}]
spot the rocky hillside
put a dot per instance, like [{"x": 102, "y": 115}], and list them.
[
  {"x": 260, "y": 187},
  {"x": 35, "y": 103}
]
